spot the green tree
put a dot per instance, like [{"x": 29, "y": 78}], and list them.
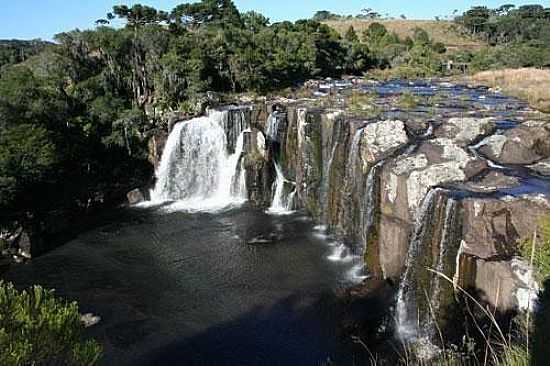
[
  {"x": 36, "y": 328},
  {"x": 351, "y": 35}
]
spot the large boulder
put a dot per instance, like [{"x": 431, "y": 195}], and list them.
[
  {"x": 526, "y": 144},
  {"x": 488, "y": 261},
  {"x": 465, "y": 131}
]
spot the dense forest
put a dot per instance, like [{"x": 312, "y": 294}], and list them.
[
  {"x": 517, "y": 37},
  {"x": 75, "y": 116}
]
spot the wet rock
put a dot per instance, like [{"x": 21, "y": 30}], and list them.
[
  {"x": 136, "y": 196},
  {"x": 492, "y": 146},
  {"x": 25, "y": 246},
  {"x": 526, "y": 144},
  {"x": 172, "y": 118},
  {"x": 417, "y": 127},
  {"x": 155, "y": 147},
  {"x": 259, "y": 241},
  {"x": 542, "y": 167},
  {"x": 309, "y": 169},
  {"x": 405, "y": 181},
  {"x": 259, "y": 176}
]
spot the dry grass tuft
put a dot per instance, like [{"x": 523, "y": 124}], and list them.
[{"x": 530, "y": 84}]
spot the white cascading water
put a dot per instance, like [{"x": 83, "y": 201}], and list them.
[
  {"x": 367, "y": 214},
  {"x": 351, "y": 166},
  {"x": 196, "y": 167},
  {"x": 282, "y": 203},
  {"x": 272, "y": 131},
  {"x": 406, "y": 316}
]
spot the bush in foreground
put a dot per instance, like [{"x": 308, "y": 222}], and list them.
[{"x": 36, "y": 328}]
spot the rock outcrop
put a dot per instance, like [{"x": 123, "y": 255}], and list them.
[
  {"x": 527, "y": 144},
  {"x": 409, "y": 193}
]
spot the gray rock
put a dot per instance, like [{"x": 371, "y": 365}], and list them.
[
  {"x": 505, "y": 284},
  {"x": 135, "y": 196},
  {"x": 89, "y": 320},
  {"x": 381, "y": 139},
  {"x": 464, "y": 131},
  {"x": 492, "y": 182}
]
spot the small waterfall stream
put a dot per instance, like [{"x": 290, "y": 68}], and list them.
[
  {"x": 406, "y": 310},
  {"x": 272, "y": 131},
  {"x": 368, "y": 212},
  {"x": 436, "y": 225},
  {"x": 283, "y": 202},
  {"x": 451, "y": 215},
  {"x": 351, "y": 166},
  {"x": 200, "y": 164}
]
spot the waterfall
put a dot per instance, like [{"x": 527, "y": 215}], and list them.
[
  {"x": 201, "y": 163},
  {"x": 406, "y": 310},
  {"x": 351, "y": 166},
  {"x": 282, "y": 202},
  {"x": 272, "y": 131},
  {"x": 325, "y": 186}
]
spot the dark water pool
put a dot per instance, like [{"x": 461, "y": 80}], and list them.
[{"x": 189, "y": 289}]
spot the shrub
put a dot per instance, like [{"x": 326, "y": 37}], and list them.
[{"x": 36, "y": 328}]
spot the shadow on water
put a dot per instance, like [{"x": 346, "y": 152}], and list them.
[{"x": 293, "y": 331}]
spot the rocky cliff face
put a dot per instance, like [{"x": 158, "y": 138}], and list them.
[{"x": 441, "y": 188}]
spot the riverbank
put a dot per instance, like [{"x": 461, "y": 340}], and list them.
[{"x": 530, "y": 84}]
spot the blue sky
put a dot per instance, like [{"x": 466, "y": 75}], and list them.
[{"x": 27, "y": 19}]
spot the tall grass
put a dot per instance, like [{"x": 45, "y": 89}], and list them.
[{"x": 530, "y": 84}]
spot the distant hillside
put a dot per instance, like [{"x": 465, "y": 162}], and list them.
[
  {"x": 446, "y": 32},
  {"x": 14, "y": 51}
]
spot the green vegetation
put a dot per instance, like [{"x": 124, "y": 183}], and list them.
[
  {"x": 480, "y": 39},
  {"x": 76, "y": 116},
  {"x": 75, "y": 119},
  {"x": 408, "y": 100},
  {"x": 540, "y": 250},
  {"x": 516, "y": 37},
  {"x": 15, "y": 51},
  {"x": 36, "y": 328}
]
